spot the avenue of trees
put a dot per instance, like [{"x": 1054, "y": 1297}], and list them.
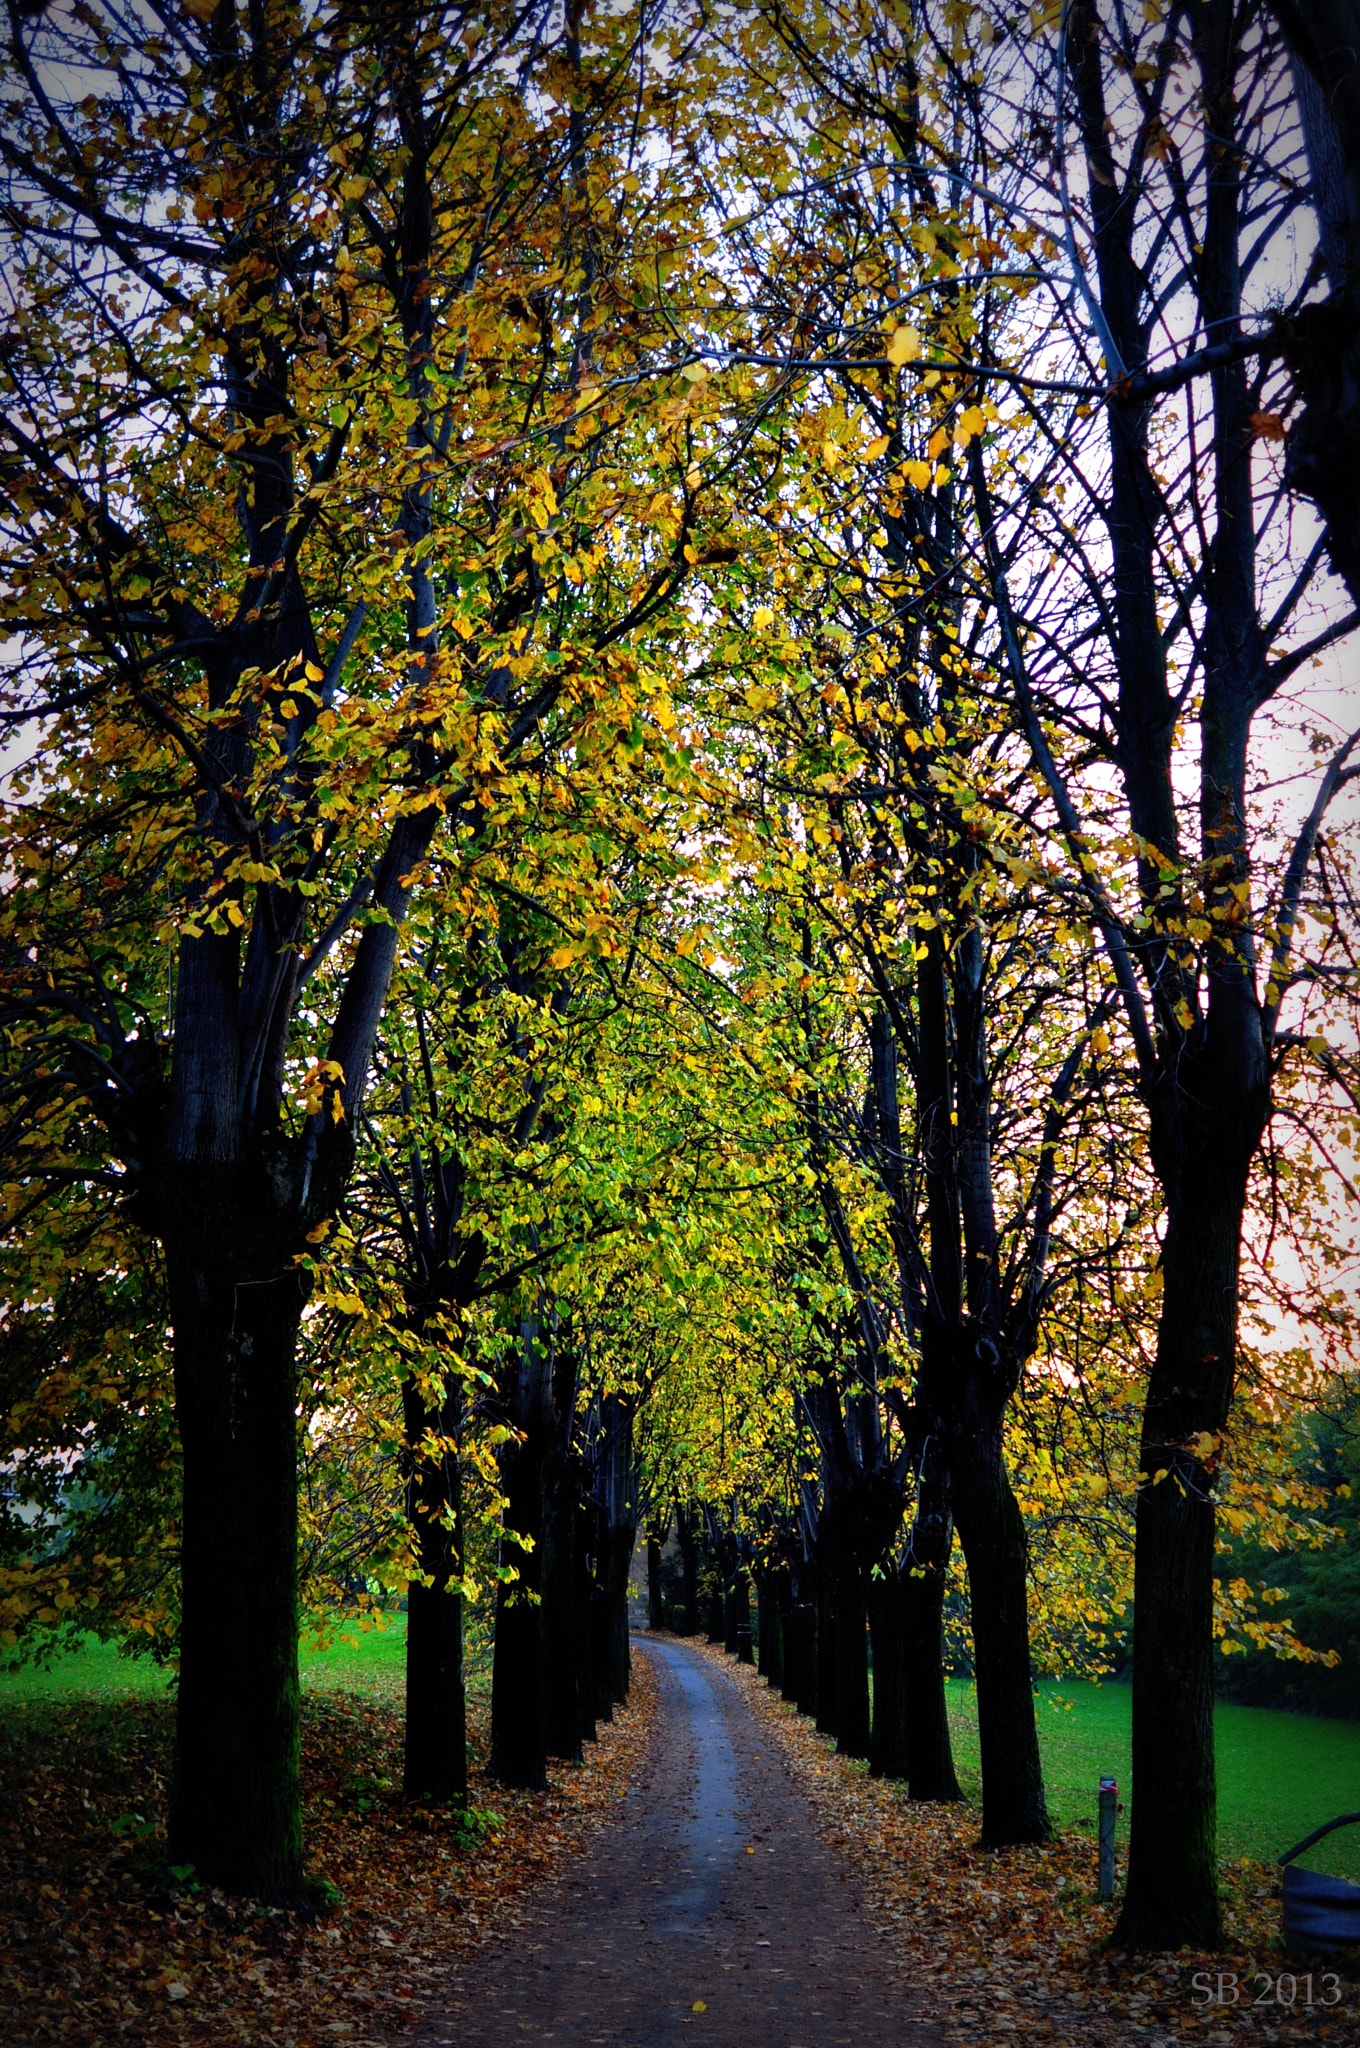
[{"x": 676, "y": 778}]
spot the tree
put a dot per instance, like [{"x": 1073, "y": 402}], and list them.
[
  {"x": 292, "y": 584},
  {"x": 1172, "y": 577}
]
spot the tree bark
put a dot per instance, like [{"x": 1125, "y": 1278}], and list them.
[
  {"x": 924, "y": 1576},
  {"x": 851, "y": 1663},
  {"x": 887, "y": 1624},
  {"x": 689, "y": 1568},
  {"x": 825, "y": 1697},
  {"x": 519, "y": 1754},
  {"x": 994, "y": 1544},
  {"x": 656, "y": 1603},
  {"x": 562, "y": 1680},
  {"x": 235, "y": 1811},
  {"x": 435, "y": 1763},
  {"x": 1172, "y": 1894}
]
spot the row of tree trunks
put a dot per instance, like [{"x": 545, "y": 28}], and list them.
[
  {"x": 561, "y": 1661},
  {"x": 816, "y": 1628}
]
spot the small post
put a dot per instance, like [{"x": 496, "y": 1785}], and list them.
[{"x": 1109, "y": 1794}]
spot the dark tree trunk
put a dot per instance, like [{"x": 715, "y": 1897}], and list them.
[
  {"x": 689, "y": 1569},
  {"x": 851, "y": 1664},
  {"x": 930, "y": 1758},
  {"x": 587, "y": 1690},
  {"x": 518, "y": 1729},
  {"x": 925, "y": 1575},
  {"x": 717, "y": 1616},
  {"x": 656, "y": 1602},
  {"x": 741, "y": 1608},
  {"x": 435, "y": 1765},
  {"x": 809, "y": 1657},
  {"x": 772, "y": 1629},
  {"x": 994, "y": 1544},
  {"x": 600, "y": 1629},
  {"x": 887, "y": 1622},
  {"x": 1172, "y": 1894},
  {"x": 235, "y": 1811},
  {"x": 562, "y": 1678},
  {"x": 618, "y": 1660},
  {"x": 825, "y": 1706},
  {"x": 790, "y": 1651},
  {"x": 763, "y": 1603},
  {"x": 731, "y": 1618}
]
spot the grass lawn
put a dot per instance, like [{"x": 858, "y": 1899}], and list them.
[
  {"x": 1279, "y": 1775},
  {"x": 356, "y": 1660}
]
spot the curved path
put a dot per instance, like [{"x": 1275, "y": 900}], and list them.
[{"x": 713, "y": 1889}]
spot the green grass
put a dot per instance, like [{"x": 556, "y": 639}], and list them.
[
  {"x": 356, "y": 1660},
  {"x": 1279, "y": 1775}
]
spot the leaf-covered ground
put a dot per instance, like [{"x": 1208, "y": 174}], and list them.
[
  {"x": 1012, "y": 1944},
  {"x": 99, "y": 1944}
]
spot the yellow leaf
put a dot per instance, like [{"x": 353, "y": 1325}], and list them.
[
  {"x": 904, "y": 346},
  {"x": 878, "y": 446},
  {"x": 699, "y": 2005}
]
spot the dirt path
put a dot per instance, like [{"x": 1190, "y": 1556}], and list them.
[{"x": 713, "y": 1891}]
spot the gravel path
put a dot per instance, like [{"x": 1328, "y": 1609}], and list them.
[{"x": 711, "y": 1912}]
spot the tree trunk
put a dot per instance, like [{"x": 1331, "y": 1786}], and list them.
[
  {"x": 435, "y": 1765},
  {"x": 925, "y": 1575},
  {"x": 656, "y": 1603},
  {"x": 809, "y": 1657},
  {"x": 852, "y": 1664},
  {"x": 562, "y": 1686},
  {"x": 930, "y": 1759},
  {"x": 993, "y": 1537},
  {"x": 235, "y": 1807},
  {"x": 763, "y": 1603},
  {"x": 772, "y": 1629},
  {"x": 887, "y": 1621},
  {"x": 826, "y": 1657},
  {"x": 518, "y": 1728},
  {"x": 1172, "y": 1893},
  {"x": 741, "y": 1608},
  {"x": 689, "y": 1569},
  {"x": 618, "y": 1659},
  {"x": 790, "y": 1646},
  {"x": 585, "y": 1637}
]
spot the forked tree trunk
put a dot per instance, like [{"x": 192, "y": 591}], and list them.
[
  {"x": 435, "y": 1764},
  {"x": 235, "y": 1811}
]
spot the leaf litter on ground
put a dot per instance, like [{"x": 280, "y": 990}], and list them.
[
  {"x": 102, "y": 1942},
  {"x": 1013, "y": 1944}
]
